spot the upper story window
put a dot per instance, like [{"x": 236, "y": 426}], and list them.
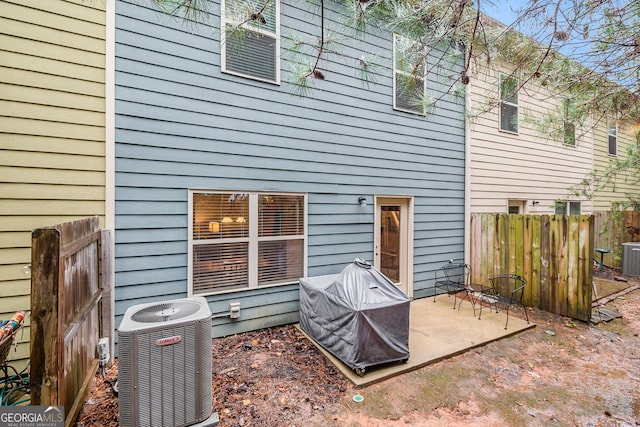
[
  {"x": 245, "y": 240},
  {"x": 409, "y": 71},
  {"x": 250, "y": 34},
  {"x": 569, "y": 126},
  {"x": 508, "y": 103},
  {"x": 612, "y": 133},
  {"x": 567, "y": 208}
]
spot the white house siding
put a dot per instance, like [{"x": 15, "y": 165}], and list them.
[
  {"x": 181, "y": 124},
  {"x": 52, "y": 149},
  {"x": 528, "y": 166},
  {"x": 623, "y": 183}
]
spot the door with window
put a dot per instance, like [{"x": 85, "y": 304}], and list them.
[{"x": 394, "y": 241}]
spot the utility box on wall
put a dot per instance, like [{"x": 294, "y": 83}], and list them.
[{"x": 631, "y": 259}]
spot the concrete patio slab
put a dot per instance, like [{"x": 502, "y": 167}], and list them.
[{"x": 436, "y": 332}]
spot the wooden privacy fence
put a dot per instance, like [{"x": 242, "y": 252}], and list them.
[
  {"x": 610, "y": 233},
  {"x": 552, "y": 252},
  {"x": 70, "y": 310}
]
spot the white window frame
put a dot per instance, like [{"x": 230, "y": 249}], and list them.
[
  {"x": 404, "y": 73},
  {"x": 253, "y": 240},
  {"x": 568, "y": 125},
  {"x": 612, "y": 124},
  {"x": 223, "y": 42},
  {"x": 567, "y": 207},
  {"x": 503, "y": 78}
]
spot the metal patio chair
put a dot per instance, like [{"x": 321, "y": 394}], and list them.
[
  {"x": 452, "y": 278},
  {"x": 503, "y": 290}
]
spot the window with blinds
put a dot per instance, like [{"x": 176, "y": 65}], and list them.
[
  {"x": 409, "y": 69},
  {"x": 245, "y": 240},
  {"x": 251, "y": 39}
]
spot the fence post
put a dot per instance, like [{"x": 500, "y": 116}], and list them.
[{"x": 45, "y": 332}]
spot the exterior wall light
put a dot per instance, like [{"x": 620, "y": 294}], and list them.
[
  {"x": 362, "y": 200},
  {"x": 535, "y": 203}
]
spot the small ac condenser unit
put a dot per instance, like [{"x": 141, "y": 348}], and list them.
[
  {"x": 164, "y": 363},
  {"x": 631, "y": 259}
]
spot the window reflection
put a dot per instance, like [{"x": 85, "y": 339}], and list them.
[{"x": 390, "y": 242}]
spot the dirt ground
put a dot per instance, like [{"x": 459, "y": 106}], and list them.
[{"x": 560, "y": 373}]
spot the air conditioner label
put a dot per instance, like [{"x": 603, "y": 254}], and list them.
[{"x": 168, "y": 340}]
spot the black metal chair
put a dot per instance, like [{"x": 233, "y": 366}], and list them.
[
  {"x": 502, "y": 290},
  {"x": 452, "y": 278}
]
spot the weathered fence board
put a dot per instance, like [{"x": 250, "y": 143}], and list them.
[
  {"x": 552, "y": 252},
  {"x": 611, "y": 233},
  {"x": 68, "y": 287}
]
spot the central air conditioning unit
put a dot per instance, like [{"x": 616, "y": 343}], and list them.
[
  {"x": 631, "y": 259},
  {"x": 164, "y": 364}
]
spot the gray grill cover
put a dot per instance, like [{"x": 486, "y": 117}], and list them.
[{"x": 359, "y": 315}]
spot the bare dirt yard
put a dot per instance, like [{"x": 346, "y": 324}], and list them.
[{"x": 560, "y": 373}]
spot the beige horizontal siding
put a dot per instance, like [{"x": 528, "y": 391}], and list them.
[
  {"x": 13, "y": 272},
  {"x": 48, "y": 114},
  {"x": 15, "y": 255},
  {"x": 52, "y": 130},
  {"x": 526, "y": 166},
  {"x": 52, "y": 207},
  {"x": 15, "y": 239},
  {"x": 28, "y": 78},
  {"x": 15, "y": 287},
  {"x": 53, "y": 98},
  {"x": 14, "y": 303},
  {"x": 52, "y": 176},
  {"x": 623, "y": 183},
  {"x": 56, "y": 129},
  {"x": 52, "y": 160},
  {"x": 32, "y": 221},
  {"x": 42, "y": 192},
  {"x": 53, "y": 67},
  {"x": 60, "y": 53},
  {"x": 82, "y": 10},
  {"x": 48, "y": 144},
  {"x": 55, "y": 28}
]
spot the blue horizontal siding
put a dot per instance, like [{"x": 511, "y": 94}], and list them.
[
  {"x": 152, "y": 248},
  {"x": 181, "y": 123},
  {"x": 181, "y": 162},
  {"x": 156, "y": 235}
]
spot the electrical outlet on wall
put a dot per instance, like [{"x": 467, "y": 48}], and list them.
[{"x": 234, "y": 310}]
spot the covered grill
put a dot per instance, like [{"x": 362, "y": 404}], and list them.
[{"x": 358, "y": 315}]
